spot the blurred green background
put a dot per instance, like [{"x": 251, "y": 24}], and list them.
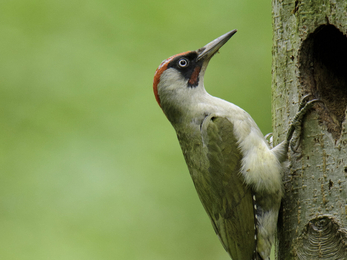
[{"x": 90, "y": 167}]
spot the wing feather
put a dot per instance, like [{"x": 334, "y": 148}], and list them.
[{"x": 226, "y": 198}]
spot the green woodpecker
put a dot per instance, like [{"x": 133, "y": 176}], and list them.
[{"x": 235, "y": 172}]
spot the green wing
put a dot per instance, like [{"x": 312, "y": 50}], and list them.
[{"x": 227, "y": 200}]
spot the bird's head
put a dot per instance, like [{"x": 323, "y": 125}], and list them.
[{"x": 179, "y": 79}]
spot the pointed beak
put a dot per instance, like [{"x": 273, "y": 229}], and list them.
[{"x": 211, "y": 48}]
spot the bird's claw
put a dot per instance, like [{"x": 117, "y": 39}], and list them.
[
  {"x": 294, "y": 133},
  {"x": 304, "y": 101},
  {"x": 269, "y": 139}
]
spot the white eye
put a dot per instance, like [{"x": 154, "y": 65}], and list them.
[{"x": 183, "y": 63}]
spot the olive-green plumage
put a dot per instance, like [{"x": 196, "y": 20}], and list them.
[{"x": 221, "y": 189}]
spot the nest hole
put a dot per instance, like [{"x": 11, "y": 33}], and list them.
[{"x": 323, "y": 73}]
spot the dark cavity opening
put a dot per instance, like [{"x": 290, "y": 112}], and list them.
[{"x": 323, "y": 73}]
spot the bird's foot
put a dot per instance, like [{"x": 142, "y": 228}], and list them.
[
  {"x": 294, "y": 132},
  {"x": 270, "y": 140}
]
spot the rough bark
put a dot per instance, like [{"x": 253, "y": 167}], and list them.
[{"x": 310, "y": 57}]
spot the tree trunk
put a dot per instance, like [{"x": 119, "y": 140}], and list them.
[{"x": 310, "y": 57}]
